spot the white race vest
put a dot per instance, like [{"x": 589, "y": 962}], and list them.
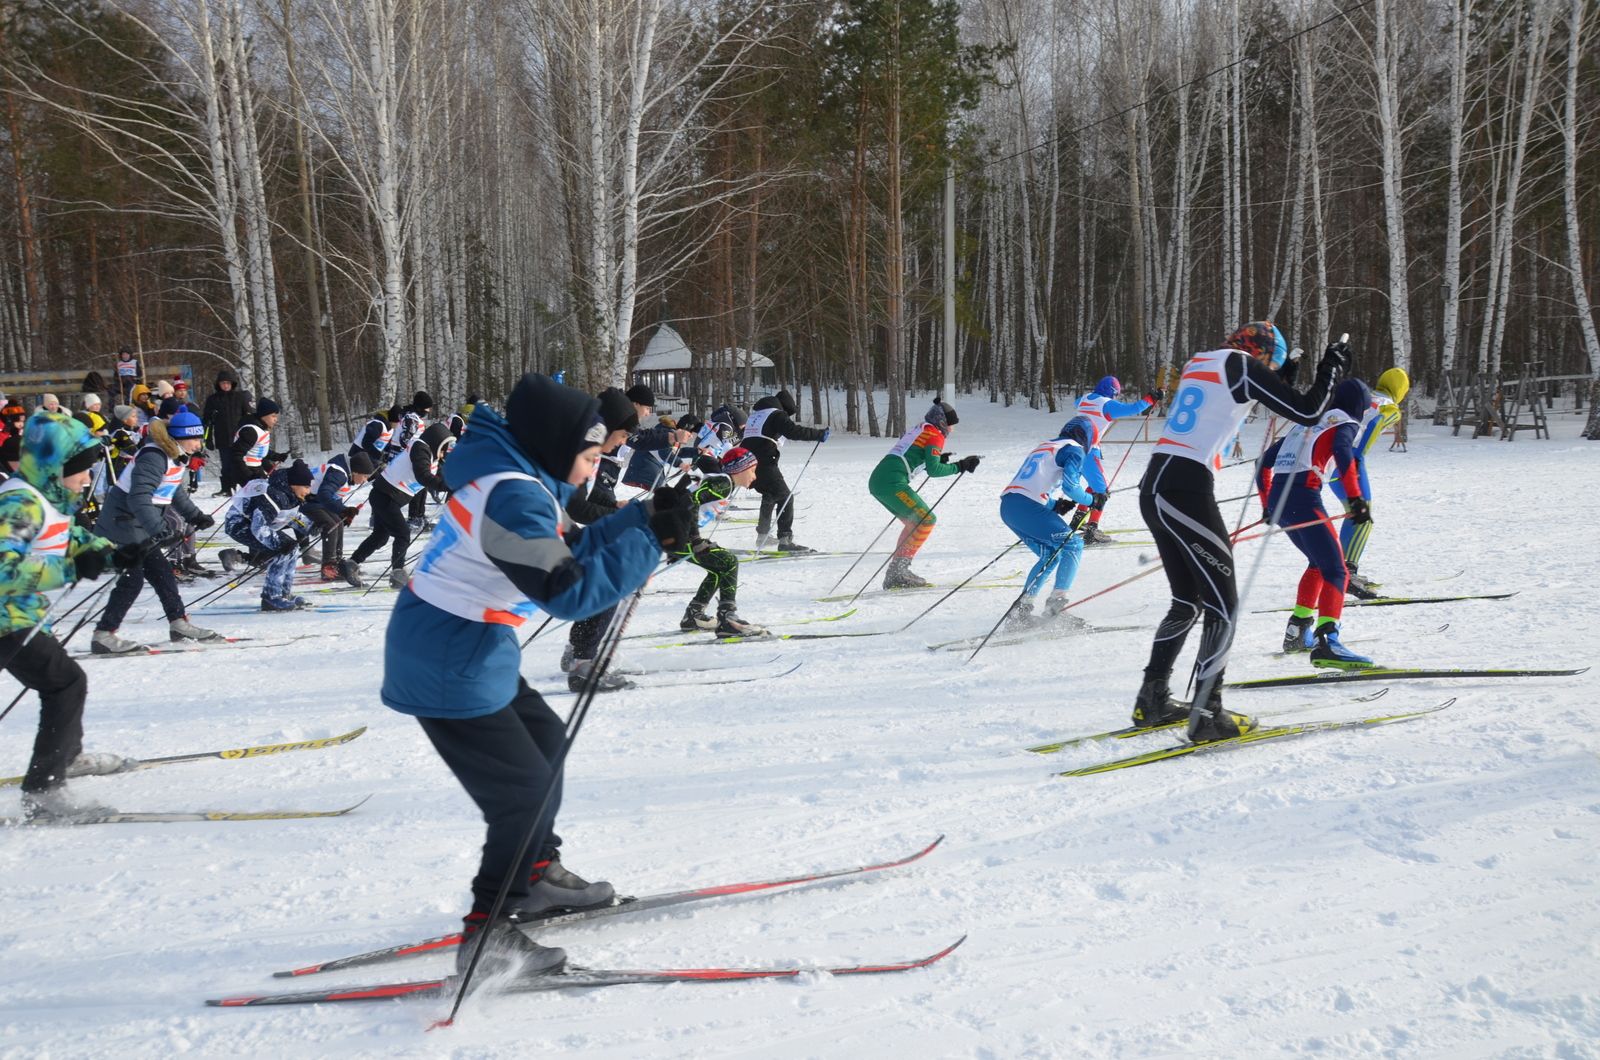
[
  {"x": 709, "y": 440},
  {"x": 322, "y": 472},
  {"x": 55, "y": 535},
  {"x": 1039, "y": 474},
  {"x": 384, "y": 434},
  {"x": 457, "y": 576},
  {"x": 171, "y": 478},
  {"x": 1093, "y": 409},
  {"x": 1204, "y": 416},
  {"x": 402, "y": 476},
  {"x": 244, "y": 495},
  {"x": 258, "y": 452},
  {"x": 1298, "y": 451},
  {"x": 752, "y": 426}
]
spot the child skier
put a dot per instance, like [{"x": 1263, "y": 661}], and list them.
[
  {"x": 769, "y": 425},
  {"x": 1381, "y": 413},
  {"x": 920, "y": 447},
  {"x": 1290, "y": 473},
  {"x": 411, "y": 471},
  {"x": 1027, "y": 508},
  {"x": 1099, "y": 407},
  {"x": 42, "y": 549},
  {"x": 1177, "y": 497},
  {"x": 329, "y": 512},
  {"x": 251, "y": 453},
  {"x": 134, "y": 514},
  {"x": 502, "y": 552},
  {"x": 710, "y": 497},
  {"x": 264, "y": 516}
]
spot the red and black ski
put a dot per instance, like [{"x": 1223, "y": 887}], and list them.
[
  {"x": 641, "y": 904},
  {"x": 574, "y": 979}
]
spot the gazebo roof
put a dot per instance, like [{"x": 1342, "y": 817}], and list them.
[{"x": 667, "y": 352}]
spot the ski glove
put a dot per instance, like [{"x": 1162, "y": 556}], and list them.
[
  {"x": 968, "y": 463},
  {"x": 1064, "y": 505},
  {"x": 1099, "y": 501},
  {"x": 203, "y": 521},
  {"x": 826, "y": 433},
  {"x": 1360, "y": 511},
  {"x": 1154, "y": 397},
  {"x": 350, "y": 514},
  {"x": 125, "y": 557},
  {"x": 1337, "y": 356},
  {"x": 672, "y": 521},
  {"x": 92, "y": 563}
]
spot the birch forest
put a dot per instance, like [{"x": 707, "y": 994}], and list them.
[{"x": 347, "y": 200}]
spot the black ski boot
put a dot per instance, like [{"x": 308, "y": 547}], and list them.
[
  {"x": 900, "y": 576},
  {"x": 1021, "y": 616},
  {"x": 507, "y": 951},
  {"x": 1210, "y": 722},
  {"x": 1093, "y": 535},
  {"x": 1297, "y": 634},
  {"x": 787, "y": 544},
  {"x": 556, "y": 889},
  {"x": 729, "y": 624},
  {"x": 695, "y": 619},
  {"x": 610, "y": 681},
  {"x": 1154, "y": 705},
  {"x": 1360, "y": 588}
]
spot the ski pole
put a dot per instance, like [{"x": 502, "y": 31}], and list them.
[
  {"x": 920, "y": 521},
  {"x": 1028, "y": 588},
  {"x": 885, "y": 530},
  {"x": 797, "y": 479},
  {"x": 43, "y": 621},
  {"x": 580, "y": 711},
  {"x": 1003, "y": 553}
]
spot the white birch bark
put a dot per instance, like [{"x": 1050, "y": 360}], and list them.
[{"x": 1386, "y": 63}]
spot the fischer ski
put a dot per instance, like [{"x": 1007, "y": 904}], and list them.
[
  {"x": 1130, "y": 731},
  {"x": 574, "y": 978},
  {"x": 1397, "y": 601},
  {"x": 1378, "y": 673},
  {"x": 1257, "y": 736},
  {"x": 133, "y": 765},
  {"x": 628, "y": 906},
  {"x": 225, "y": 644},
  {"x": 180, "y": 815}
]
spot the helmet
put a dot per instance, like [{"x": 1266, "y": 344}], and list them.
[
  {"x": 1108, "y": 387},
  {"x": 1351, "y": 397},
  {"x": 185, "y": 424},
  {"x": 1395, "y": 383},
  {"x": 1260, "y": 339}
]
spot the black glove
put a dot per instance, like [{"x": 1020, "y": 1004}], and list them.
[
  {"x": 1360, "y": 511},
  {"x": 944, "y": 458},
  {"x": 1077, "y": 520},
  {"x": 92, "y": 563},
  {"x": 1098, "y": 500},
  {"x": 968, "y": 464},
  {"x": 1154, "y": 397},
  {"x": 277, "y": 458},
  {"x": 350, "y": 514},
  {"x": 672, "y": 498},
  {"x": 125, "y": 557},
  {"x": 1336, "y": 358},
  {"x": 673, "y": 527},
  {"x": 1065, "y": 505},
  {"x": 203, "y": 522}
]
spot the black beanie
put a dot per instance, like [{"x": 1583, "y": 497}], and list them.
[
  {"x": 299, "y": 474},
  {"x": 640, "y": 394},
  {"x": 786, "y": 402},
  {"x": 422, "y": 401},
  {"x": 553, "y": 423},
  {"x": 361, "y": 463},
  {"x": 266, "y": 407},
  {"x": 617, "y": 411}
]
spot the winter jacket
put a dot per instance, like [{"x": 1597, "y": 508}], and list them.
[
  {"x": 334, "y": 476},
  {"x": 653, "y": 449},
  {"x": 437, "y": 664},
  {"x": 225, "y": 411},
  {"x": 424, "y": 457},
  {"x": 374, "y": 441},
  {"x": 762, "y": 434},
  {"x": 130, "y": 516},
  {"x": 50, "y": 440},
  {"x": 266, "y": 515},
  {"x": 247, "y": 437}
]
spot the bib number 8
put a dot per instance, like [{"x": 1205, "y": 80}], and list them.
[{"x": 1186, "y": 410}]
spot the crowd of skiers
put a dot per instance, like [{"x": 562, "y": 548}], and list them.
[{"x": 531, "y": 520}]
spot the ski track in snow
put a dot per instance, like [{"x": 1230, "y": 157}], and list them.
[{"x": 1425, "y": 889}]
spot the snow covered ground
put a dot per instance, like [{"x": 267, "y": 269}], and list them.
[{"x": 1425, "y": 889}]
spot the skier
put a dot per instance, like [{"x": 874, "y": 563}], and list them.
[
  {"x": 920, "y": 447},
  {"x": 329, "y": 513},
  {"x": 1381, "y": 413},
  {"x": 1290, "y": 473},
  {"x": 503, "y": 551},
  {"x": 134, "y": 514},
  {"x": 251, "y": 453},
  {"x": 652, "y": 450},
  {"x": 414, "y": 469},
  {"x": 768, "y": 426},
  {"x": 411, "y": 423},
  {"x": 735, "y": 468},
  {"x": 1178, "y": 501},
  {"x": 1057, "y": 466},
  {"x": 1099, "y": 407},
  {"x": 373, "y": 438},
  {"x": 42, "y": 549},
  {"x": 265, "y": 517}
]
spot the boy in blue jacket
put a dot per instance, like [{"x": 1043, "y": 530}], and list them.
[
  {"x": 1099, "y": 407},
  {"x": 504, "y": 550}
]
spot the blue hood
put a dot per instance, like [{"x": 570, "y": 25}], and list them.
[{"x": 490, "y": 448}]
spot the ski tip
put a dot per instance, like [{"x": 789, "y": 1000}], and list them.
[
  {"x": 448, "y": 1021},
  {"x": 353, "y": 806},
  {"x": 293, "y": 973}
]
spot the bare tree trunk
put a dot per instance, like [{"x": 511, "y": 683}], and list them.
[
  {"x": 1386, "y": 59},
  {"x": 1461, "y": 50},
  {"x": 1569, "y": 200}
]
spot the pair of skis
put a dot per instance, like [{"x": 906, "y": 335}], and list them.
[{"x": 579, "y": 977}]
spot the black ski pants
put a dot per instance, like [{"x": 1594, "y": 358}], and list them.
[
  {"x": 504, "y": 760},
  {"x": 156, "y": 569},
  {"x": 330, "y": 526},
  {"x": 1179, "y": 506},
  {"x": 43, "y": 665},
  {"x": 774, "y": 494},
  {"x": 388, "y": 524},
  {"x": 722, "y": 575},
  {"x": 586, "y": 634}
]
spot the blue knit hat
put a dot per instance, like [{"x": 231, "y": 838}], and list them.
[{"x": 185, "y": 424}]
